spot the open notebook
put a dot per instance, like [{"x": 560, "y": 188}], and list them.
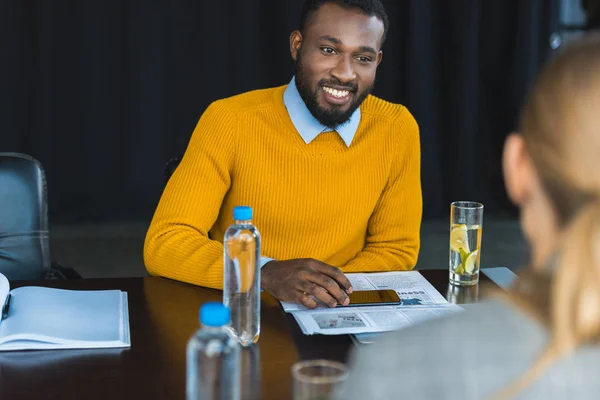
[{"x": 46, "y": 318}]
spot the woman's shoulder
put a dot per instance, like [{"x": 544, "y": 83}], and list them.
[
  {"x": 481, "y": 345},
  {"x": 472, "y": 355},
  {"x": 488, "y": 322}
]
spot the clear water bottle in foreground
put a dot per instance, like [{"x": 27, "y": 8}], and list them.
[
  {"x": 213, "y": 357},
  {"x": 241, "y": 286}
]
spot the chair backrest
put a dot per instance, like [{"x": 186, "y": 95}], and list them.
[{"x": 24, "y": 237}]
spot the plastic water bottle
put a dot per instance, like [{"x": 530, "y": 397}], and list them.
[
  {"x": 213, "y": 357},
  {"x": 241, "y": 286}
]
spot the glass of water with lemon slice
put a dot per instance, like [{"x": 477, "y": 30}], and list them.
[{"x": 466, "y": 219}]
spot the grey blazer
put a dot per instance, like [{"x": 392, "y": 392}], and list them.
[{"x": 472, "y": 355}]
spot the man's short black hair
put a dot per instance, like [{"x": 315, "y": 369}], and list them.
[{"x": 372, "y": 8}]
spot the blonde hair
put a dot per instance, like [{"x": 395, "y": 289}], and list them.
[{"x": 561, "y": 127}]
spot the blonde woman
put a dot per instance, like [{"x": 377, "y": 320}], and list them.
[{"x": 540, "y": 340}]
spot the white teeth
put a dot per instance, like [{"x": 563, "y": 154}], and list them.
[{"x": 335, "y": 92}]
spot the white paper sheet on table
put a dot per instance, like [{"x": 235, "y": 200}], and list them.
[{"x": 420, "y": 301}]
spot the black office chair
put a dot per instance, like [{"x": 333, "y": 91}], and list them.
[{"x": 24, "y": 236}]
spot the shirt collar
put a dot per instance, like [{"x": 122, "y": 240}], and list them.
[{"x": 307, "y": 125}]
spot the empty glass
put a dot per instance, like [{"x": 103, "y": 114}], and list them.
[{"x": 317, "y": 379}]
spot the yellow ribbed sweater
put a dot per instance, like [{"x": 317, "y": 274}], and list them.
[{"x": 357, "y": 208}]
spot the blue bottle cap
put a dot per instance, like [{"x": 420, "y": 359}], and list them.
[
  {"x": 242, "y": 213},
  {"x": 214, "y": 314}
]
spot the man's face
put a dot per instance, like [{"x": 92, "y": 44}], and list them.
[{"x": 336, "y": 61}]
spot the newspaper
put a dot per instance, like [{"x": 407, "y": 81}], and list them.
[{"x": 420, "y": 301}]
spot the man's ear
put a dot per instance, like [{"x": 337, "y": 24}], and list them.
[
  {"x": 517, "y": 168},
  {"x": 295, "y": 44},
  {"x": 379, "y": 57}
]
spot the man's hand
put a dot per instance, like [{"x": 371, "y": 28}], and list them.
[{"x": 302, "y": 279}]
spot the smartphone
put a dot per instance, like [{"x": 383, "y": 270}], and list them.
[{"x": 373, "y": 297}]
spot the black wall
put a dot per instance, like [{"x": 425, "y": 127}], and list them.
[{"x": 103, "y": 92}]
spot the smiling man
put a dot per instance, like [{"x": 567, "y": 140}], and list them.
[{"x": 331, "y": 171}]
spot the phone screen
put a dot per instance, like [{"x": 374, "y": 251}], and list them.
[{"x": 372, "y": 297}]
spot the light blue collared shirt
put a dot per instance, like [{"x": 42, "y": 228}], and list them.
[{"x": 309, "y": 128}]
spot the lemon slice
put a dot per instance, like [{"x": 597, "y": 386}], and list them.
[
  {"x": 458, "y": 238},
  {"x": 470, "y": 262},
  {"x": 460, "y": 269}
]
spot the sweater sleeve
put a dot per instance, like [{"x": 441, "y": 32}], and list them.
[
  {"x": 393, "y": 235},
  {"x": 177, "y": 245}
]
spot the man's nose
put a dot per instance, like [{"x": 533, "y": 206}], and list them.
[{"x": 343, "y": 71}]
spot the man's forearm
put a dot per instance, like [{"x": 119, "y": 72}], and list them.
[
  {"x": 177, "y": 245},
  {"x": 184, "y": 254}
]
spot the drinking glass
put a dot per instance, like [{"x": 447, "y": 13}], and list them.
[
  {"x": 466, "y": 221},
  {"x": 317, "y": 379},
  {"x": 462, "y": 294}
]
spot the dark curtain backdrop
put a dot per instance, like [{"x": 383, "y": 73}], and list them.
[{"x": 103, "y": 92}]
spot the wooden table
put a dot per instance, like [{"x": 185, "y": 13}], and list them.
[{"x": 163, "y": 315}]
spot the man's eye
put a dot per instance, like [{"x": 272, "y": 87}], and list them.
[
  {"x": 364, "y": 59},
  {"x": 328, "y": 50}
]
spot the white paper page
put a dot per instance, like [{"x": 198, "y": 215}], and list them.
[
  {"x": 411, "y": 286},
  {"x": 64, "y": 316},
  {"x": 125, "y": 332},
  {"x": 26, "y": 344},
  {"x": 350, "y": 320},
  {"x": 360, "y": 282},
  {"x": 37, "y": 345},
  {"x": 4, "y": 289}
]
